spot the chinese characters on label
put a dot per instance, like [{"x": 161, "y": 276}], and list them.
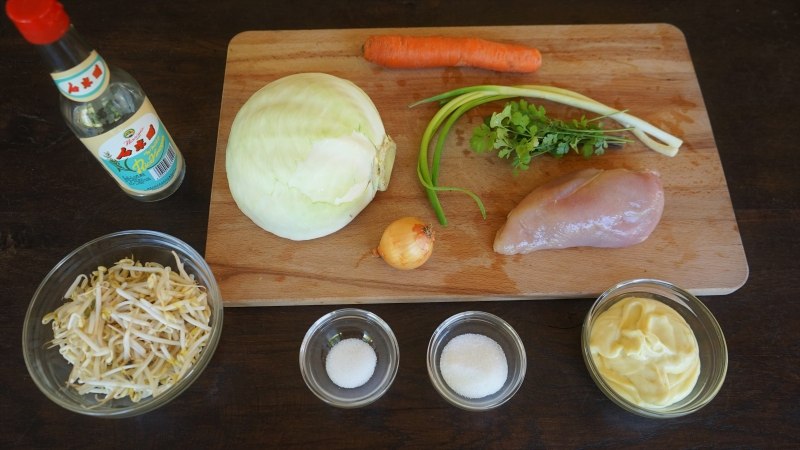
[
  {"x": 84, "y": 82},
  {"x": 141, "y": 154}
]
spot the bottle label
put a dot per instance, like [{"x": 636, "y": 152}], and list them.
[
  {"x": 84, "y": 82},
  {"x": 139, "y": 153}
]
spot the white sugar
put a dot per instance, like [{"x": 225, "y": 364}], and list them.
[
  {"x": 473, "y": 365},
  {"x": 351, "y": 363}
]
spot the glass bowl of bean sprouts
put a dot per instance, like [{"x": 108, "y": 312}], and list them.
[{"x": 123, "y": 324}]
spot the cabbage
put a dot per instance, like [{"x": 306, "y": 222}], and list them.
[{"x": 306, "y": 154}]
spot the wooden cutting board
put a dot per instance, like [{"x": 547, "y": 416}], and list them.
[{"x": 645, "y": 69}]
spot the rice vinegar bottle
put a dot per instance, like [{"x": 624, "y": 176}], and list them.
[{"x": 103, "y": 105}]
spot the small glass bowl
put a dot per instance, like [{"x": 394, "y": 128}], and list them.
[
  {"x": 50, "y": 370},
  {"x": 344, "y": 324},
  {"x": 711, "y": 342},
  {"x": 491, "y": 326}
]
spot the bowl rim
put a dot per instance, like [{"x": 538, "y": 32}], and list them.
[
  {"x": 392, "y": 344},
  {"x": 693, "y": 304},
  {"x": 441, "y": 387},
  {"x": 151, "y": 403}
]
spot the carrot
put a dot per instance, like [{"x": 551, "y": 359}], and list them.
[{"x": 414, "y": 52}]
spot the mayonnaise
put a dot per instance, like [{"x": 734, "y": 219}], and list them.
[{"x": 645, "y": 351}]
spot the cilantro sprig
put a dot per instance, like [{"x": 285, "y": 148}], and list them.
[{"x": 523, "y": 131}]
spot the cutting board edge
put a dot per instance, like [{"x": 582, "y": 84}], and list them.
[{"x": 700, "y": 292}]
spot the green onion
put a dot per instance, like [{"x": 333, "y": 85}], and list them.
[{"x": 457, "y": 102}]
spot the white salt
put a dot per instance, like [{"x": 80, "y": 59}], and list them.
[
  {"x": 473, "y": 365},
  {"x": 351, "y": 363}
]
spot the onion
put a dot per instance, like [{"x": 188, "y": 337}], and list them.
[{"x": 406, "y": 243}]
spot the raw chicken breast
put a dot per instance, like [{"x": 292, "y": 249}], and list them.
[{"x": 588, "y": 208}]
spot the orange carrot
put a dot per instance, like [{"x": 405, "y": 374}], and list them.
[{"x": 414, "y": 52}]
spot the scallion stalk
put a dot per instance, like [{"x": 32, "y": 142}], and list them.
[{"x": 457, "y": 102}]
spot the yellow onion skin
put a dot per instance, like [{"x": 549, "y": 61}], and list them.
[{"x": 406, "y": 243}]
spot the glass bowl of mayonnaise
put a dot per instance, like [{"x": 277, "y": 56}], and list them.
[{"x": 654, "y": 349}]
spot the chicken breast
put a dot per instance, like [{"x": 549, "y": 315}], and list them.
[{"x": 588, "y": 208}]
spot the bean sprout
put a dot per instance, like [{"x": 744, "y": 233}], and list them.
[{"x": 132, "y": 330}]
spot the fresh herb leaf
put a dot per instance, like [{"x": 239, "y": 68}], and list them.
[
  {"x": 522, "y": 131},
  {"x": 483, "y": 139}
]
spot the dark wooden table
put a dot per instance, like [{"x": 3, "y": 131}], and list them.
[{"x": 54, "y": 197}]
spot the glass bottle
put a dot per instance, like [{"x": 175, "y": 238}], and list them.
[{"x": 103, "y": 105}]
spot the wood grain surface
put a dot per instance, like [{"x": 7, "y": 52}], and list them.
[{"x": 645, "y": 69}]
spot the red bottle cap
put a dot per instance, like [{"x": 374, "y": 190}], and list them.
[{"x": 40, "y": 21}]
